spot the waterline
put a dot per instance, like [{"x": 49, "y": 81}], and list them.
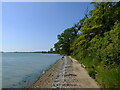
[{"x": 21, "y": 69}]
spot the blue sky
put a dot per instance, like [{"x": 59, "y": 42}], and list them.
[
  {"x": 0, "y": 26},
  {"x": 28, "y": 26}
]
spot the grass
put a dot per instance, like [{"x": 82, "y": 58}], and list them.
[{"x": 106, "y": 78}]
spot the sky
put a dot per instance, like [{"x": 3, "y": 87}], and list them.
[
  {"x": 0, "y": 26},
  {"x": 34, "y": 26}
]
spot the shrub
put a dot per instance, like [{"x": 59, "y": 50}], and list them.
[{"x": 92, "y": 73}]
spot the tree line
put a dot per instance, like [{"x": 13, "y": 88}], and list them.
[{"x": 95, "y": 42}]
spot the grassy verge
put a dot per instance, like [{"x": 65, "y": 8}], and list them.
[{"x": 106, "y": 77}]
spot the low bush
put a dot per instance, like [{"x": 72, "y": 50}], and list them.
[{"x": 92, "y": 73}]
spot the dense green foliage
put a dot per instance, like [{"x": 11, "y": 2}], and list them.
[{"x": 94, "y": 41}]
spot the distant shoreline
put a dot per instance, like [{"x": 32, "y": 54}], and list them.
[{"x": 30, "y": 52}]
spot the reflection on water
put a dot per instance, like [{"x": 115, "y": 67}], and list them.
[{"x": 20, "y": 69}]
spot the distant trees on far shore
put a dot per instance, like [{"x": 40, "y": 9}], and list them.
[{"x": 50, "y": 51}]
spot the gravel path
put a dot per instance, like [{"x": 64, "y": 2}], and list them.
[
  {"x": 59, "y": 80},
  {"x": 65, "y": 73}
]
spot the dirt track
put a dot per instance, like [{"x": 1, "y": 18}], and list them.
[{"x": 65, "y": 73}]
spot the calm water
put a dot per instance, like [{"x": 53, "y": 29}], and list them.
[{"x": 21, "y": 69}]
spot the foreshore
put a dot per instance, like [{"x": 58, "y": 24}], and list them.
[{"x": 65, "y": 73}]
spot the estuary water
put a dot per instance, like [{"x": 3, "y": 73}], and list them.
[{"x": 21, "y": 69}]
